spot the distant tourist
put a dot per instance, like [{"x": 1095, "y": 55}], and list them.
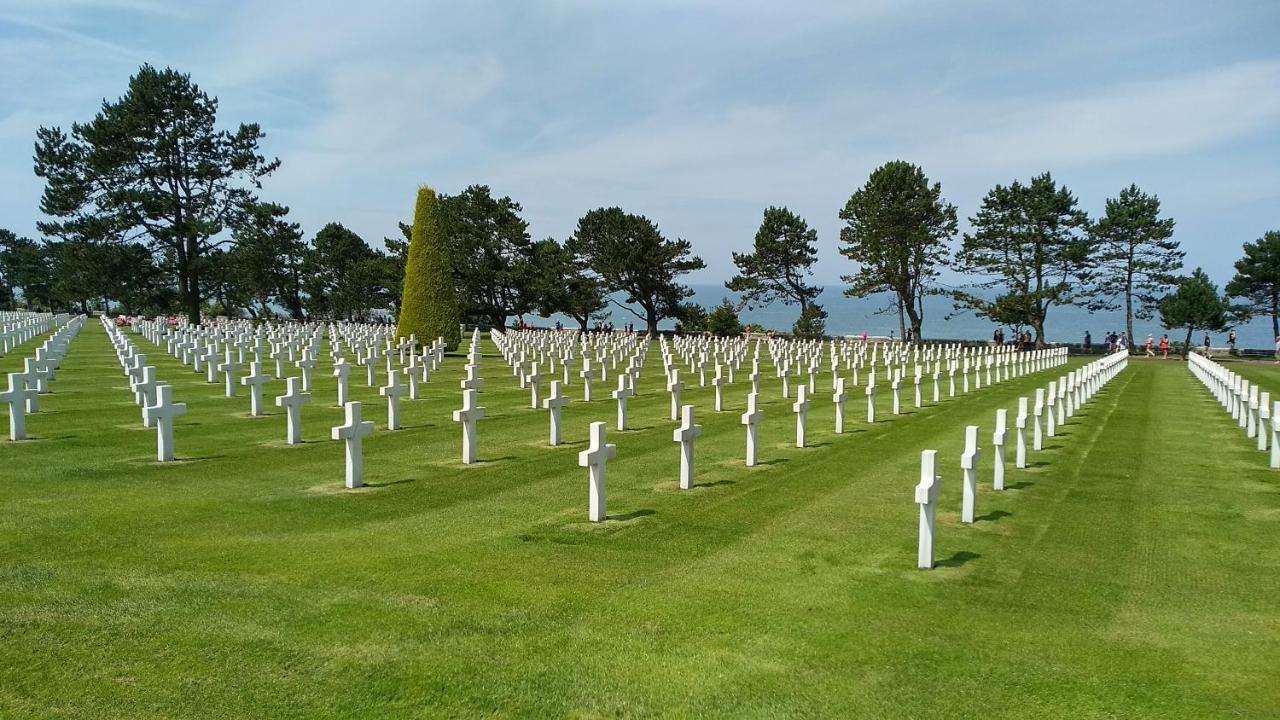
[
  {"x": 1231, "y": 343},
  {"x": 1088, "y": 342},
  {"x": 1164, "y": 346},
  {"x": 908, "y": 335},
  {"x": 997, "y": 337},
  {"x": 1278, "y": 348},
  {"x": 1151, "y": 346},
  {"x": 1206, "y": 346},
  {"x": 1123, "y": 343}
]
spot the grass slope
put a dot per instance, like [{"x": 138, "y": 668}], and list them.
[{"x": 1129, "y": 573}]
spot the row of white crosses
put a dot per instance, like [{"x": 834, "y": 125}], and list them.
[
  {"x": 1250, "y": 407},
  {"x": 154, "y": 397},
  {"x": 269, "y": 348},
  {"x": 355, "y": 428},
  {"x": 18, "y": 327},
  {"x": 1063, "y": 397},
  {"x": 24, "y": 388},
  {"x": 524, "y": 351}
]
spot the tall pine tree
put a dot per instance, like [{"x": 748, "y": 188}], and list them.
[
  {"x": 1029, "y": 252},
  {"x": 1136, "y": 256},
  {"x": 1257, "y": 278},
  {"x": 152, "y": 166},
  {"x": 897, "y": 228}
]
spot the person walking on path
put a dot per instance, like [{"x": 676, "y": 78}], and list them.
[
  {"x": 1088, "y": 343},
  {"x": 1164, "y": 347},
  {"x": 1278, "y": 348},
  {"x": 1206, "y": 346},
  {"x": 1150, "y": 347}
]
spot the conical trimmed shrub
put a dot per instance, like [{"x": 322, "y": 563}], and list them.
[{"x": 430, "y": 305}]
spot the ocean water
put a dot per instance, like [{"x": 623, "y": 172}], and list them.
[{"x": 853, "y": 316}]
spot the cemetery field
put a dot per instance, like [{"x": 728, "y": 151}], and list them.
[{"x": 1130, "y": 572}]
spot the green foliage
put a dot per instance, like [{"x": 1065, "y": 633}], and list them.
[
  {"x": 1028, "y": 243},
  {"x": 1257, "y": 278},
  {"x": 629, "y": 255},
  {"x": 430, "y": 306},
  {"x": 266, "y": 263},
  {"x": 491, "y": 255},
  {"x": 1195, "y": 305},
  {"x": 785, "y": 249},
  {"x": 344, "y": 278},
  {"x": 812, "y": 323},
  {"x": 723, "y": 320},
  {"x": 897, "y": 228},
  {"x": 1135, "y": 258},
  {"x": 152, "y": 166},
  {"x": 693, "y": 317},
  {"x": 561, "y": 284},
  {"x": 24, "y": 270}
]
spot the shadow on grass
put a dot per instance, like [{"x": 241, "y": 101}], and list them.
[
  {"x": 717, "y": 483},
  {"x": 389, "y": 483},
  {"x": 1019, "y": 485},
  {"x": 774, "y": 461},
  {"x": 497, "y": 459},
  {"x": 958, "y": 559},
  {"x": 993, "y": 516},
  {"x": 633, "y": 515}
]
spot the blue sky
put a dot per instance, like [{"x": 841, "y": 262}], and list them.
[{"x": 696, "y": 114}]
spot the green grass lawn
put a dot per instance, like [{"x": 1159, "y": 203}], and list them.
[{"x": 1132, "y": 572}]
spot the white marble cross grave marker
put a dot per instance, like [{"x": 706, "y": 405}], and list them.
[
  {"x": 587, "y": 374},
  {"x": 801, "y": 408},
  {"x": 595, "y": 458},
  {"x": 342, "y": 371},
  {"x": 1020, "y": 424},
  {"x": 1037, "y": 426},
  {"x": 16, "y": 398},
  {"x": 292, "y": 401},
  {"x": 674, "y": 386},
  {"x": 871, "y": 397},
  {"x": 555, "y": 403},
  {"x": 751, "y": 418},
  {"x": 255, "y": 380},
  {"x": 229, "y": 367},
  {"x": 969, "y": 464},
  {"x": 392, "y": 392},
  {"x": 623, "y": 392},
  {"x": 468, "y": 416},
  {"x": 162, "y": 415},
  {"x": 838, "y": 397},
  {"x": 997, "y": 443},
  {"x": 352, "y": 433},
  {"x": 927, "y": 499},
  {"x": 685, "y": 435}
]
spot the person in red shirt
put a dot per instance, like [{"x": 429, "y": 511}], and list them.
[{"x": 1164, "y": 347}]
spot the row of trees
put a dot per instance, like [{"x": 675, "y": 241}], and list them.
[
  {"x": 1030, "y": 249},
  {"x": 151, "y": 208}
]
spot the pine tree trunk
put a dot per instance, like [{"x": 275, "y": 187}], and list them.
[
  {"x": 192, "y": 296},
  {"x": 1128, "y": 318}
]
